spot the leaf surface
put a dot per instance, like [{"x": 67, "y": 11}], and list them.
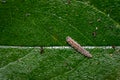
[
  {"x": 47, "y": 23},
  {"x": 57, "y": 64}
]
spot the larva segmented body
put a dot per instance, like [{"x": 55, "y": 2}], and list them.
[{"x": 78, "y": 47}]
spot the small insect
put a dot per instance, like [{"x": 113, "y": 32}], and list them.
[
  {"x": 78, "y": 47},
  {"x": 113, "y": 46},
  {"x": 41, "y": 50}
]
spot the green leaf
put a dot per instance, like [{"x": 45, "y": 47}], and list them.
[
  {"x": 110, "y": 7},
  {"x": 62, "y": 64},
  {"x": 48, "y": 22},
  {"x": 10, "y": 55}
]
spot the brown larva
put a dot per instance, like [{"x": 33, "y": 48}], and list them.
[{"x": 78, "y": 47}]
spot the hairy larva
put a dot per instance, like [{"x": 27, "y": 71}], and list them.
[{"x": 78, "y": 47}]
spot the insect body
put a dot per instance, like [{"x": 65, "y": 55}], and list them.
[
  {"x": 41, "y": 50},
  {"x": 113, "y": 47},
  {"x": 78, "y": 47}
]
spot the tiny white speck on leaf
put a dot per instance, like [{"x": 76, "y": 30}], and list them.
[{"x": 96, "y": 28}]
